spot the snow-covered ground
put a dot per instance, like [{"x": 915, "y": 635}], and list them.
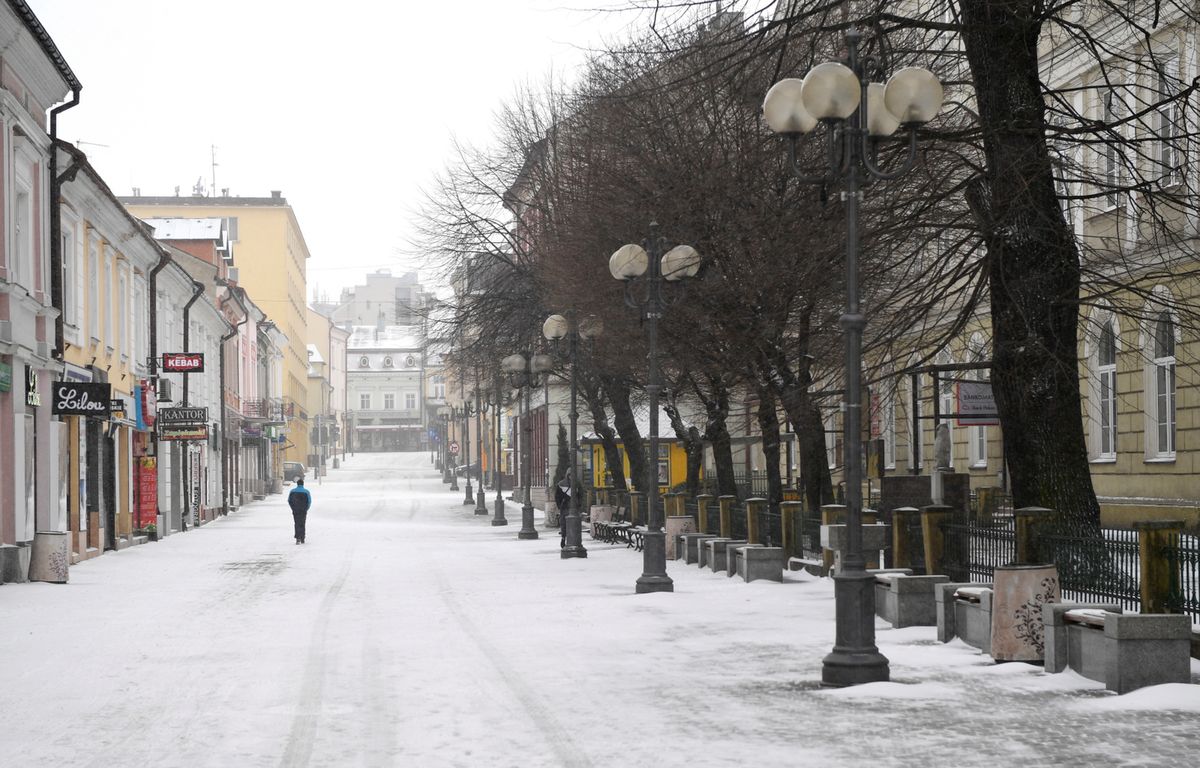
[{"x": 410, "y": 632}]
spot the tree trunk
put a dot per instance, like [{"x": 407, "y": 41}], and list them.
[
  {"x": 768, "y": 425},
  {"x": 1033, "y": 269},
  {"x": 792, "y": 390},
  {"x": 608, "y": 438},
  {"x": 716, "y": 409},
  {"x": 693, "y": 444},
  {"x": 618, "y": 396}
]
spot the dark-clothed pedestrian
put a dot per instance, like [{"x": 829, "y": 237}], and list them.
[
  {"x": 562, "y": 499},
  {"x": 299, "y": 500}
]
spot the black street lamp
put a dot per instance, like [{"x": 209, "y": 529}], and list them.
[
  {"x": 479, "y": 407},
  {"x": 628, "y": 263},
  {"x": 444, "y": 420},
  {"x": 857, "y": 114},
  {"x": 465, "y": 410},
  {"x": 524, "y": 368},
  {"x": 500, "y": 401},
  {"x": 558, "y": 327}
]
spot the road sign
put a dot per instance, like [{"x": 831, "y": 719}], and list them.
[{"x": 453, "y": 447}]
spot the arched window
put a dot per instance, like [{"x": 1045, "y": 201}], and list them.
[
  {"x": 977, "y": 448},
  {"x": 1162, "y": 400}
]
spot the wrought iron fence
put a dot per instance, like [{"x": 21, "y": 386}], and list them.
[
  {"x": 737, "y": 521},
  {"x": 1184, "y": 559},
  {"x": 974, "y": 548},
  {"x": 1104, "y": 570}
]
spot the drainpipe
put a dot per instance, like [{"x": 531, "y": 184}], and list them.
[
  {"x": 224, "y": 422},
  {"x": 152, "y": 364},
  {"x": 56, "y": 254},
  {"x": 197, "y": 292}
]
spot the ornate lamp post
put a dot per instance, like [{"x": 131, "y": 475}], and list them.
[
  {"x": 465, "y": 411},
  {"x": 627, "y": 264},
  {"x": 479, "y": 408},
  {"x": 524, "y": 368},
  {"x": 856, "y": 114},
  {"x": 451, "y": 424},
  {"x": 498, "y": 400},
  {"x": 443, "y": 413},
  {"x": 555, "y": 328}
]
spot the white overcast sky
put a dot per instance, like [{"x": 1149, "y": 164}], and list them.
[{"x": 347, "y": 107}]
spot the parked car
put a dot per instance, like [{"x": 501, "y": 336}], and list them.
[
  {"x": 292, "y": 471},
  {"x": 462, "y": 469}
]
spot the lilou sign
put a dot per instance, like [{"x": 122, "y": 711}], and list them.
[{"x": 75, "y": 398}]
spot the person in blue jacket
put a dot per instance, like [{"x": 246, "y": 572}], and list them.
[{"x": 299, "y": 500}]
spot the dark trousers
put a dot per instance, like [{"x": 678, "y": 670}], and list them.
[{"x": 300, "y": 517}]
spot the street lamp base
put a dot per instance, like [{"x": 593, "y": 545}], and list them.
[
  {"x": 567, "y": 553},
  {"x": 469, "y": 501},
  {"x": 527, "y": 530},
  {"x": 855, "y": 659},
  {"x": 499, "y": 518},
  {"x": 480, "y": 504},
  {"x": 654, "y": 576}
]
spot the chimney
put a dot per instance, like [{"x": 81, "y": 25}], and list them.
[{"x": 276, "y": 194}]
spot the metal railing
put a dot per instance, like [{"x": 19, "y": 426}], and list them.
[
  {"x": 973, "y": 549},
  {"x": 1104, "y": 570},
  {"x": 1184, "y": 559}
]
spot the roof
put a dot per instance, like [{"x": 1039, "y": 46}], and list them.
[
  {"x": 186, "y": 229},
  {"x": 48, "y": 47}
]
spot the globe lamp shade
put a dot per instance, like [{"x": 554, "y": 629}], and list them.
[
  {"x": 680, "y": 262},
  {"x": 880, "y": 120},
  {"x": 555, "y": 327},
  {"x": 831, "y": 91},
  {"x": 914, "y": 95},
  {"x": 629, "y": 261},
  {"x": 783, "y": 108}
]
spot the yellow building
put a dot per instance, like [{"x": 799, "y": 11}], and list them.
[
  {"x": 271, "y": 265},
  {"x": 672, "y": 464}
]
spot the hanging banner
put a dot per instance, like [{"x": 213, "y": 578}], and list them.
[
  {"x": 74, "y": 398},
  {"x": 183, "y": 362}
]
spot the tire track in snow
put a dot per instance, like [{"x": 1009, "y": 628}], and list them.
[
  {"x": 566, "y": 751},
  {"x": 304, "y": 725}
]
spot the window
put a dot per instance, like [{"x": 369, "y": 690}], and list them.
[
  {"x": 93, "y": 279},
  {"x": 106, "y": 297},
  {"x": 978, "y": 434},
  {"x": 889, "y": 426},
  {"x": 23, "y": 225},
  {"x": 364, "y": 401},
  {"x": 1112, "y": 157},
  {"x": 1168, "y": 131},
  {"x": 1163, "y": 393},
  {"x": 1106, "y": 392},
  {"x": 389, "y": 401},
  {"x": 364, "y": 362},
  {"x": 410, "y": 401},
  {"x": 123, "y": 316},
  {"x": 387, "y": 362},
  {"x": 439, "y": 387}
]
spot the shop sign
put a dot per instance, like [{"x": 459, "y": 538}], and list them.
[
  {"x": 147, "y": 485},
  {"x": 183, "y": 432},
  {"x": 976, "y": 404},
  {"x": 73, "y": 398},
  {"x": 5, "y": 377},
  {"x": 177, "y": 416},
  {"x": 183, "y": 362},
  {"x": 32, "y": 396}
]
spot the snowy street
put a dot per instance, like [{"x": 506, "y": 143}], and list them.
[{"x": 408, "y": 631}]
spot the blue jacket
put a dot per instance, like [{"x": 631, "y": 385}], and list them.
[{"x": 299, "y": 499}]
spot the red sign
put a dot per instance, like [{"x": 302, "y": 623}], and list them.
[
  {"x": 183, "y": 362},
  {"x": 147, "y": 487}
]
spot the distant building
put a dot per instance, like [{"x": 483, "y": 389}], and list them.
[
  {"x": 385, "y": 379},
  {"x": 397, "y": 300}
]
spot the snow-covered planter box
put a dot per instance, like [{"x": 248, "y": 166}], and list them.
[
  {"x": 690, "y": 547},
  {"x": 732, "y": 555},
  {"x": 714, "y": 553},
  {"x": 964, "y": 610},
  {"x": 755, "y": 563},
  {"x": 1123, "y": 651},
  {"x": 906, "y": 600}
]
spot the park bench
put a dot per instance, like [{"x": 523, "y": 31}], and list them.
[
  {"x": 813, "y": 566},
  {"x": 906, "y": 600},
  {"x": 1125, "y": 651},
  {"x": 964, "y": 610}
]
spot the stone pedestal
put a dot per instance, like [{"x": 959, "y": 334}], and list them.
[
  {"x": 1020, "y": 591},
  {"x": 675, "y": 525},
  {"x": 14, "y": 563},
  {"x": 51, "y": 557}
]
